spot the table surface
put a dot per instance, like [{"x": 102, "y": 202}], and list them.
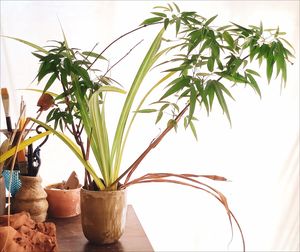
[{"x": 70, "y": 237}]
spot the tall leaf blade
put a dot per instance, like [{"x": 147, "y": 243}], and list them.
[{"x": 141, "y": 73}]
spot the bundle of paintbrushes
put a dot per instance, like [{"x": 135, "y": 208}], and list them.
[
  {"x": 26, "y": 160},
  {"x": 13, "y": 135}
]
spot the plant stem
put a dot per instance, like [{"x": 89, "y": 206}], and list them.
[
  {"x": 127, "y": 33},
  {"x": 121, "y": 58},
  {"x": 152, "y": 145}
]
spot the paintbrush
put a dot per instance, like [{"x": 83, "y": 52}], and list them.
[
  {"x": 21, "y": 154},
  {"x": 5, "y": 101}
]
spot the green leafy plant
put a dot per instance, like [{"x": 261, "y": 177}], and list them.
[{"x": 200, "y": 63}]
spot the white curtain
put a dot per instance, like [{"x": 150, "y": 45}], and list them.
[{"x": 259, "y": 154}]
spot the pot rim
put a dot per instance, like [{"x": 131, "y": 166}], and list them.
[
  {"x": 111, "y": 192},
  {"x": 52, "y": 188},
  {"x": 25, "y": 177}
]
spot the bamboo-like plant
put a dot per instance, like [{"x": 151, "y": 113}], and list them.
[{"x": 205, "y": 61}]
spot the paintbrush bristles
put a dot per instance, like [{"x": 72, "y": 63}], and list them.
[{"x": 5, "y": 100}]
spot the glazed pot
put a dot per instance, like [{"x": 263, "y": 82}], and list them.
[
  {"x": 103, "y": 215},
  {"x": 63, "y": 203},
  {"x": 2, "y": 195},
  {"x": 31, "y": 198}
]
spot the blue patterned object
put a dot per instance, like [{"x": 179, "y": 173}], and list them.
[{"x": 15, "y": 183}]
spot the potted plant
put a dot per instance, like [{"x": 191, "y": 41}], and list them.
[{"x": 198, "y": 67}]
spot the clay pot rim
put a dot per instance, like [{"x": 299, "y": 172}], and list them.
[
  {"x": 25, "y": 177},
  {"x": 52, "y": 187},
  {"x": 95, "y": 192}
]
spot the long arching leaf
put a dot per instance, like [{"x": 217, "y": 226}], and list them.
[
  {"x": 75, "y": 149},
  {"x": 23, "y": 145}
]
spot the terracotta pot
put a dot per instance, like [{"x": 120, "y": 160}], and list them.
[
  {"x": 31, "y": 198},
  {"x": 2, "y": 195},
  {"x": 103, "y": 215},
  {"x": 63, "y": 203}
]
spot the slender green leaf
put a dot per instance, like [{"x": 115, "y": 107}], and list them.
[
  {"x": 176, "y": 6},
  {"x": 94, "y": 55},
  {"x": 50, "y": 81},
  {"x": 228, "y": 39},
  {"x": 221, "y": 99},
  {"x": 270, "y": 63},
  {"x": 41, "y": 49},
  {"x": 253, "y": 84},
  {"x": 192, "y": 126},
  {"x": 250, "y": 71},
  {"x": 146, "y": 65},
  {"x": 160, "y": 14},
  {"x": 166, "y": 23},
  {"x": 75, "y": 150},
  {"x": 40, "y": 91},
  {"x": 23, "y": 145},
  {"x": 146, "y": 111},
  {"x": 221, "y": 86},
  {"x": 224, "y": 27},
  {"x": 193, "y": 99},
  {"x": 179, "y": 85},
  {"x": 153, "y": 20},
  {"x": 210, "y": 64},
  {"x": 288, "y": 43},
  {"x": 210, "y": 20},
  {"x": 178, "y": 22},
  {"x": 159, "y": 116}
]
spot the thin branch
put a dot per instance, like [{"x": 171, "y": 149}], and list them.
[
  {"x": 152, "y": 145},
  {"x": 127, "y": 33},
  {"x": 122, "y": 58}
]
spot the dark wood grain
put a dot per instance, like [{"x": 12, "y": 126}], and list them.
[{"x": 71, "y": 238}]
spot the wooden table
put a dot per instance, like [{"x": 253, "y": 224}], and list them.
[{"x": 71, "y": 238}]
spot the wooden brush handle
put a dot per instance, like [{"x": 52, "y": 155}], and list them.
[{"x": 8, "y": 124}]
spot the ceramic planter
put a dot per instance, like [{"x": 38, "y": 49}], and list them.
[
  {"x": 63, "y": 203},
  {"x": 2, "y": 195},
  {"x": 31, "y": 198},
  {"x": 103, "y": 215}
]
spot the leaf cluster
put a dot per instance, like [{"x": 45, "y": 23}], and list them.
[
  {"x": 59, "y": 65},
  {"x": 210, "y": 59}
]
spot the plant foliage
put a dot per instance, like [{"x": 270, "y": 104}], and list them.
[{"x": 200, "y": 65}]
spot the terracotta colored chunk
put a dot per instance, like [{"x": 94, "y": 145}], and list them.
[
  {"x": 72, "y": 182},
  {"x": 25, "y": 235}
]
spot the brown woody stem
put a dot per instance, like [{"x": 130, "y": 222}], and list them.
[{"x": 152, "y": 145}]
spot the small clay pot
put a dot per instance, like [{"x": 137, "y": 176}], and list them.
[
  {"x": 63, "y": 203},
  {"x": 103, "y": 215},
  {"x": 31, "y": 198}
]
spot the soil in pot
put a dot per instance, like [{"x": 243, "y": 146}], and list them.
[{"x": 103, "y": 215}]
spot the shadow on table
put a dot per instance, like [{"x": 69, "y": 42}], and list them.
[{"x": 116, "y": 247}]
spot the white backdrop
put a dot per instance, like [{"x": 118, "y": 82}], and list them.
[{"x": 259, "y": 154}]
